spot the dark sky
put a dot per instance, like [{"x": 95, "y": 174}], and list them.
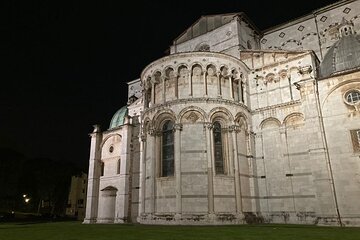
[{"x": 67, "y": 63}]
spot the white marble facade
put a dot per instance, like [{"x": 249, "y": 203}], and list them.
[{"x": 237, "y": 126}]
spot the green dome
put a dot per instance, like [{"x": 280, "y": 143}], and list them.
[{"x": 119, "y": 117}]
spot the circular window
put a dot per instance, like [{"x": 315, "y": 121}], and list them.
[
  {"x": 111, "y": 149},
  {"x": 352, "y": 97}
]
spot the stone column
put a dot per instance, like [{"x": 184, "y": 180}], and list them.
[
  {"x": 177, "y": 129},
  {"x": 218, "y": 83},
  {"x": 235, "y": 129},
  {"x": 231, "y": 88},
  {"x": 240, "y": 90},
  {"x": 230, "y": 147},
  {"x": 244, "y": 92},
  {"x": 152, "y": 93},
  {"x": 190, "y": 83},
  {"x": 176, "y": 78},
  {"x": 251, "y": 143},
  {"x": 205, "y": 84},
  {"x": 163, "y": 79},
  {"x": 92, "y": 199},
  {"x": 209, "y": 151},
  {"x": 142, "y": 174},
  {"x": 153, "y": 170}
]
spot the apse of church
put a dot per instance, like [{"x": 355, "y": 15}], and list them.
[{"x": 238, "y": 126}]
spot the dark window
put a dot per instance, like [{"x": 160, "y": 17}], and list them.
[
  {"x": 118, "y": 167},
  {"x": 218, "y": 148},
  {"x": 355, "y": 138},
  {"x": 168, "y": 149}
]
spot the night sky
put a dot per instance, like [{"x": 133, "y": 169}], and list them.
[{"x": 66, "y": 64}]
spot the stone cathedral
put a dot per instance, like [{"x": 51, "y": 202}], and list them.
[{"x": 237, "y": 126}]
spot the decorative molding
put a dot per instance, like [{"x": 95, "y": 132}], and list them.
[{"x": 178, "y": 127}]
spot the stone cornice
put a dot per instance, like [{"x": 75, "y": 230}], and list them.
[
  {"x": 282, "y": 105},
  {"x": 195, "y": 100}
]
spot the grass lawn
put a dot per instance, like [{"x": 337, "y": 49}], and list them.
[{"x": 78, "y": 231}]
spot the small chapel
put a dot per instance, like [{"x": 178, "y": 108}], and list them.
[{"x": 238, "y": 125}]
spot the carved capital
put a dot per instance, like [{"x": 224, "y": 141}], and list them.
[
  {"x": 151, "y": 131},
  {"x": 305, "y": 70},
  {"x": 157, "y": 133},
  {"x": 154, "y": 81},
  {"x": 235, "y": 128},
  {"x": 178, "y": 127},
  {"x": 208, "y": 125},
  {"x": 143, "y": 137}
]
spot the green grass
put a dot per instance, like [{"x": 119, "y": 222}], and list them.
[{"x": 78, "y": 231}]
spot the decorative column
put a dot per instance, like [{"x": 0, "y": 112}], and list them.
[
  {"x": 190, "y": 83},
  {"x": 177, "y": 129},
  {"x": 236, "y": 129},
  {"x": 163, "y": 79},
  {"x": 209, "y": 151},
  {"x": 230, "y": 147},
  {"x": 231, "y": 88},
  {"x": 205, "y": 84},
  {"x": 241, "y": 88},
  {"x": 252, "y": 154},
  {"x": 243, "y": 84},
  {"x": 92, "y": 199},
  {"x": 152, "y": 184},
  {"x": 152, "y": 93},
  {"x": 176, "y": 76},
  {"x": 219, "y": 84},
  {"x": 142, "y": 173}
]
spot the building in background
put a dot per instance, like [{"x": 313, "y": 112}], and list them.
[
  {"x": 77, "y": 197},
  {"x": 238, "y": 125}
]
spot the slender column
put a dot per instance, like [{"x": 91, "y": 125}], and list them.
[
  {"x": 240, "y": 90},
  {"x": 230, "y": 151},
  {"x": 142, "y": 174},
  {"x": 163, "y": 79},
  {"x": 205, "y": 84},
  {"x": 190, "y": 83},
  {"x": 176, "y": 76},
  {"x": 209, "y": 151},
  {"x": 244, "y": 92},
  {"x": 152, "y": 93},
  {"x": 178, "y": 128},
  {"x": 231, "y": 88},
  {"x": 152, "y": 171},
  {"x": 238, "y": 194},
  {"x": 157, "y": 171},
  {"x": 218, "y": 83},
  {"x": 92, "y": 199}
]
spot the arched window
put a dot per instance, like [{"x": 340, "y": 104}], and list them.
[
  {"x": 167, "y": 149},
  {"x": 118, "y": 167},
  {"x": 218, "y": 148}
]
